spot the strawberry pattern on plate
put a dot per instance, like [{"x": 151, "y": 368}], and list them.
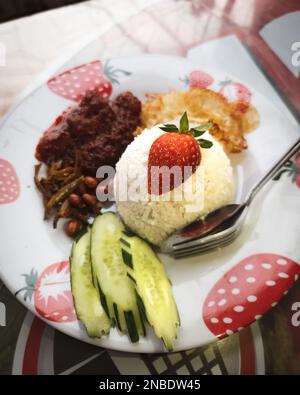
[
  {"x": 72, "y": 84},
  {"x": 247, "y": 291},
  {"x": 9, "y": 183},
  {"x": 198, "y": 79},
  {"x": 236, "y": 92},
  {"x": 292, "y": 170},
  {"x": 51, "y": 291}
]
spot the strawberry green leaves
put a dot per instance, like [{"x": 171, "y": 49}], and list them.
[
  {"x": 30, "y": 280},
  {"x": 200, "y": 129},
  {"x": 195, "y": 132},
  {"x": 168, "y": 127},
  {"x": 184, "y": 123},
  {"x": 205, "y": 143},
  {"x": 112, "y": 74}
]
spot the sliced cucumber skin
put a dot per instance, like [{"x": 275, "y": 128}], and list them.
[
  {"x": 154, "y": 288},
  {"x": 86, "y": 299},
  {"x": 116, "y": 288}
]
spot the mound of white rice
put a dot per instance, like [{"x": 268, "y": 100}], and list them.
[{"x": 155, "y": 218}]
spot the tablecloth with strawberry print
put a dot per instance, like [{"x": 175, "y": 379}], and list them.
[{"x": 271, "y": 345}]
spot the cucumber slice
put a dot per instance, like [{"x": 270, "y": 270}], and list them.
[
  {"x": 117, "y": 290},
  {"x": 86, "y": 299},
  {"x": 153, "y": 287}
]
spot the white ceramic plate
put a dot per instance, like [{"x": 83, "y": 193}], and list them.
[{"x": 217, "y": 293}]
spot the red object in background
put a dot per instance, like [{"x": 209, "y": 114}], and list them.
[
  {"x": 238, "y": 15},
  {"x": 32, "y": 348},
  {"x": 211, "y": 19},
  {"x": 247, "y": 352}
]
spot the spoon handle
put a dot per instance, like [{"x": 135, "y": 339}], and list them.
[{"x": 272, "y": 172}]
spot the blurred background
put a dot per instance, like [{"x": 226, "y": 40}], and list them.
[{"x": 13, "y": 9}]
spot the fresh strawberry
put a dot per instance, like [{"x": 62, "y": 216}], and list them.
[
  {"x": 9, "y": 183},
  {"x": 171, "y": 149},
  {"x": 52, "y": 292},
  {"x": 247, "y": 291},
  {"x": 236, "y": 92},
  {"x": 73, "y": 84},
  {"x": 199, "y": 79},
  {"x": 178, "y": 147}
]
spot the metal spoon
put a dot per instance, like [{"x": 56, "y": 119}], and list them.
[{"x": 224, "y": 217}]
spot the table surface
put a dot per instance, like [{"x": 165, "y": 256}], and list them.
[{"x": 30, "y": 45}]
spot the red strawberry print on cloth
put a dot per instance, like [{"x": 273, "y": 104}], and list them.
[
  {"x": 247, "y": 291},
  {"x": 236, "y": 92},
  {"x": 72, "y": 84},
  {"x": 51, "y": 292},
  {"x": 198, "y": 79},
  {"x": 9, "y": 183}
]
